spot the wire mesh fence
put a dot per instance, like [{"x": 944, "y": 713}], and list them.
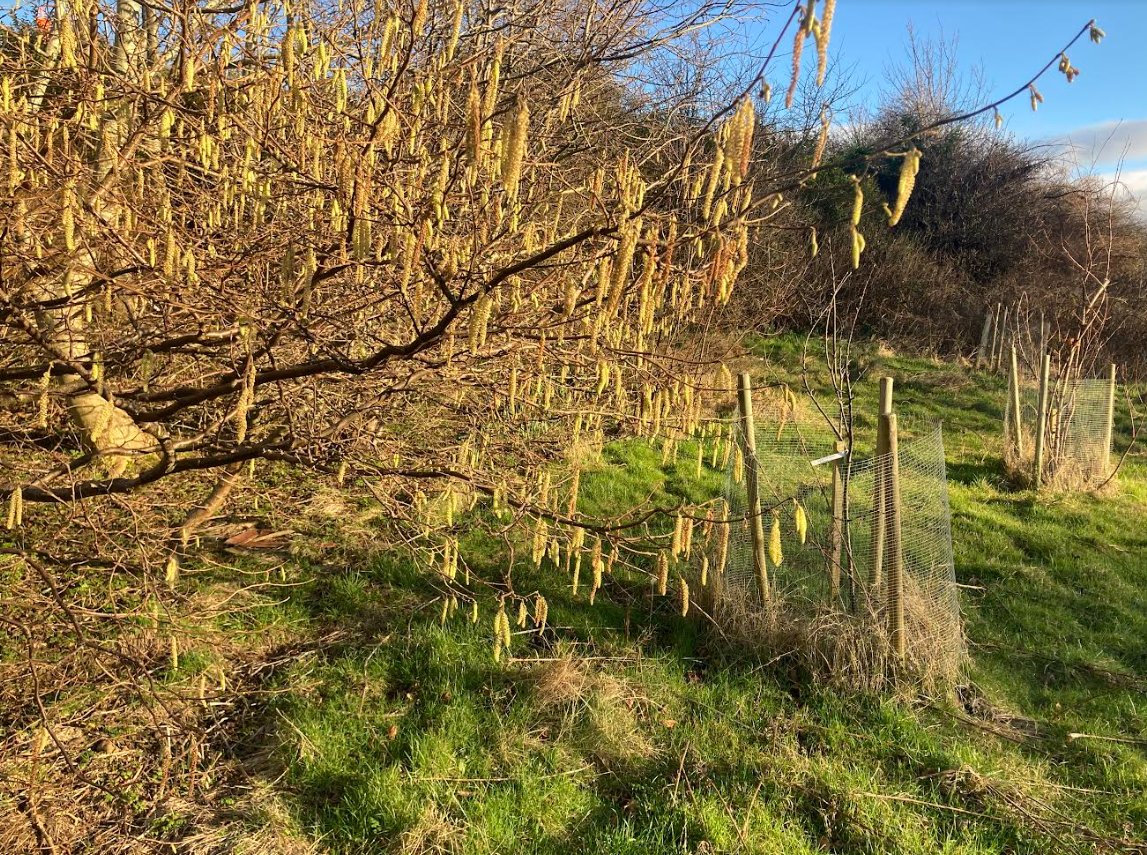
[
  {"x": 842, "y": 564},
  {"x": 1076, "y": 437}
]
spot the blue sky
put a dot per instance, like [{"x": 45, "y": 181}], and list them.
[{"x": 1103, "y": 113}]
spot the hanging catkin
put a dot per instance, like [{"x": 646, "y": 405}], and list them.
[
  {"x": 514, "y": 148},
  {"x": 908, "y": 170},
  {"x": 474, "y": 125},
  {"x": 775, "y": 554},
  {"x": 800, "y": 520},
  {"x": 822, "y": 36}
]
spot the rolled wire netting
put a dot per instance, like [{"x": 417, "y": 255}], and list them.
[{"x": 804, "y": 580}]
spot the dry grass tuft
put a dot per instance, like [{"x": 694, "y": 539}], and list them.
[
  {"x": 605, "y": 711},
  {"x": 432, "y": 834},
  {"x": 563, "y": 682},
  {"x": 826, "y": 645}
]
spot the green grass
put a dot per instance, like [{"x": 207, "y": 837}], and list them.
[{"x": 406, "y": 736}]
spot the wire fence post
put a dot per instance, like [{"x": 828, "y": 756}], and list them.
[
  {"x": 752, "y": 482},
  {"x": 1017, "y": 422},
  {"x": 895, "y": 544},
  {"x": 1109, "y": 429},
  {"x": 1041, "y": 420},
  {"x": 879, "y": 497},
  {"x": 836, "y": 537}
]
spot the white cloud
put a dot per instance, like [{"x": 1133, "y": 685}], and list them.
[
  {"x": 1132, "y": 185},
  {"x": 1106, "y": 143}
]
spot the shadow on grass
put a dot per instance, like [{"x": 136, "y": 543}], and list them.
[{"x": 406, "y": 736}]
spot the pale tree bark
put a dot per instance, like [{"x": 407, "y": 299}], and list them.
[{"x": 107, "y": 431}]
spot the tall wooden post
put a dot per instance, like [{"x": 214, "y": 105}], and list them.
[
  {"x": 894, "y": 540},
  {"x": 1109, "y": 429},
  {"x": 879, "y": 496},
  {"x": 995, "y": 335},
  {"x": 999, "y": 355},
  {"x": 985, "y": 338},
  {"x": 1043, "y": 334},
  {"x": 1041, "y": 420},
  {"x": 752, "y": 483},
  {"x": 836, "y": 542},
  {"x": 1017, "y": 421}
]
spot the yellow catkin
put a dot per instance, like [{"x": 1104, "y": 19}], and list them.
[
  {"x": 822, "y": 37},
  {"x": 798, "y": 49},
  {"x": 455, "y": 30},
  {"x": 575, "y": 483},
  {"x": 858, "y": 244},
  {"x": 857, "y": 210},
  {"x": 908, "y": 170},
  {"x": 499, "y": 638},
  {"x": 246, "y": 399},
  {"x": 662, "y": 572},
  {"x": 174, "y": 653},
  {"x": 800, "y": 520},
  {"x": 541, "y": 612},
  {"x": 474, "y": 125},
  {"x": 684, "y": 588},
  {"x": 541, "y": 538},
  {"x": 479, "y": 322},
  {"x": 822, "y": 138},
  {"x": 514, "y": 149},
  {"x": 775, "y": 554},
  {"x": 857, "y": 200},
  {"x": 814, "y": 247},
  {"x": 42, "y": 402},
  {"x": 522, "y": 614},
  {"x": 678, "y": 528}
]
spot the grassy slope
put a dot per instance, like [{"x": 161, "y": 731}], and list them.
[{"x": 408, "y": 737}]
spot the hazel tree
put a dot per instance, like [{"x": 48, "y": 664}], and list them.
[{"x": 423, "y": 245}]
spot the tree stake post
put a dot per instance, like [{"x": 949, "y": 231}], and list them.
[
  {"x": 752, "y": 482},
  {"x": 1041, "y": 420},
  {"x": 895, "y": 551}
]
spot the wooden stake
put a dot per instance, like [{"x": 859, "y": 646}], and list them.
[
  {"x": 985, "y": 337},
  {"x": 895, "y": 542},
  {"x": 1042, "y": 334},
  {"x": 1109, "y": 430},
  {"x": 752, "y": 483},
  {"x": 879, "y": 498},
  {"x": 1041, "y": 420},
  {"x": 836, "y": 550},
  {"x": 995, "y": 335},
  {"x": 1017, "y": 421},
  {"x": 998, "y": 359}
]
